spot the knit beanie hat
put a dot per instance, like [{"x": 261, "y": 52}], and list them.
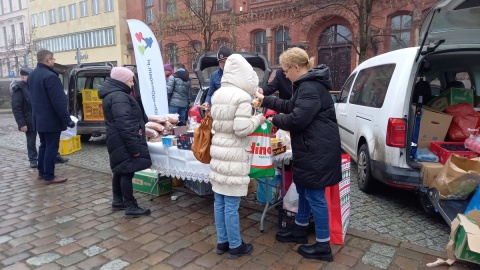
[
  {"x": 25, "y": 71},
  {"x": 122, "y": 74},
  {"x": 223, "y": 53},
  {"x": 167, "y": 67}
]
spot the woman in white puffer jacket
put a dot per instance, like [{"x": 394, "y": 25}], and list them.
[{"x": 230, "y": 165}]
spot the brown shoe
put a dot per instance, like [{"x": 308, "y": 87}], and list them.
[
  {"x": 40, "y": 178},
  {"x": 56, "y": 180}
]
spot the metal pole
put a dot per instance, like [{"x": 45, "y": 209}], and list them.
[{"x": 79, "y": 56}]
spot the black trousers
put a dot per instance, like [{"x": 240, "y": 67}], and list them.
[
  {"x": 47, "y": 153},
  {"x": 122, "y": 187}
]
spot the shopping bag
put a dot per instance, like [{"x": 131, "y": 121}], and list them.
[
  {"x": 290, "y": 201},
  {"x": 70, "y": 132},
  {"x": 202, "y": 140},
  {"x": 261, "y": 149},
  {"x": 338, "y": 200}
]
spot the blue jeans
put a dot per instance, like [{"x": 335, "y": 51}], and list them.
[
  {"x": 32, "y": 145},
  {"x": 182, "y": 112},
  {"x": 227, "y": 220},
  {"x": 313, "y": 200},
  {"x": 47, "y": 152}
]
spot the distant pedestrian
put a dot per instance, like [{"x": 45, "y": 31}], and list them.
[
  {"x": 216, "y": 77},
  {"x": 178, "y": 87},
  {"x": 126, "y": 141},
  {"x": 167, "y": 68},
  {"x": 230, "y": 165},
  {"x": 50, "y": 115}
]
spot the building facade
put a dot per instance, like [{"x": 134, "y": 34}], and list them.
[
  {"x": 327, "y": 29},
  {"x": 14, "y": 37},
  {"x": 96, "y": 27}
]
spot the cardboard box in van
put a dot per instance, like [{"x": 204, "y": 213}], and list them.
[
  {"x": 433, "y": 127},
  {"x": 451, "y": 96},
  {"x": 429, "y": 171}
]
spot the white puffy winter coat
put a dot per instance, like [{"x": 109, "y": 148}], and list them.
[{"x": 233, "y": 122}]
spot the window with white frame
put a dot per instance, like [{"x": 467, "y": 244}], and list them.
[
  {"x": 1, "y": 9},
  {"x": 95, "y": 7},
  {"x": 22, "y": 33},
  {"x": 90, "y": 39},
  {"x": 171, "y": 7},
  {"x": 108, "y": 5},
  {"x": 401, "y": 27},
  {"x": 221, "y": 5},
  {"x": 14, "y": 36},
  {"x": 282, "y": 41},
  {"x": 220, "y": 42},
  {"x": 83, "y": 9},
  {"x": 260, "y": 42},
  {"x": 53, "y": 18},
  {"x": 149, "y": 12},
  {"x": 34, "y": 20},
  {"x": 20, "y": 4},
  {"x": 73, "y": 11},
  {"x": 196, "y": 6},
  {"x": 5, "y": 36},
  {"x": 62, "y": 14},
  {"x": 43, "y": 18},
  {"x": 195, "y": 50},
  {"x": 172, "y": 53}
]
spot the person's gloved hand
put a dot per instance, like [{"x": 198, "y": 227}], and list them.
[{"x": 71, "y": 124}]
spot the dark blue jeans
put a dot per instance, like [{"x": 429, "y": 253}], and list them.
[
  {"x": 313, "y": 200},
  {"x": 182, "y": 112},
  {"x": 47, "y": 153},
  {"x": 32, "y": 145}
]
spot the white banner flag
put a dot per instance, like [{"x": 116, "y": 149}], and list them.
[{"x": 151, "y": 75}]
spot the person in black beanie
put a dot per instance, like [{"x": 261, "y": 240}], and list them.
[{"x": 216, "y": 77}]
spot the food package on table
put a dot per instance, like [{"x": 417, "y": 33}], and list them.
[
  {"x": 172, "y": 118},
  {"x": 151, "y": 133},
  {"x": 155, "y": 126},
  {"x": 168, "y": 126},
  {"x": 157, "y": 119},
  {"x": 458, "y": 179},
  {"x": 157, "y": 139},
  {"x": 284, "y": 137}
]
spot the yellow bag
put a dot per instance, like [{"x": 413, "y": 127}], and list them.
[{"x": 202, "y": 139}]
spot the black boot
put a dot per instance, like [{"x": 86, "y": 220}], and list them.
[
  {"x": 319, "y": 251},
  {"x": 133, "y": 211},
  {"x": 118, "y": 204},
  {"x": 243, "y": 249},
  {"x": 297, "y": 235},
  {"x": 222, "y": 248}
]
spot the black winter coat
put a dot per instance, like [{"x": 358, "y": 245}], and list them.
[
  {"x": 125, "y": 128},
  {"x": 310, "y": 117},
  {"x": 281, "y": 84},
  {"x": 49, "y": 102},
  {"x": 21, "y": 105}
]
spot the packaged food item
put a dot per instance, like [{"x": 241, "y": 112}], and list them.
[
  {"x": 151, "y": 133},
  {"x": 157, "y": 119},
  {"x": 154, "y": 125},
  {"x": 157, "y": 139},
  {"x": 168, "y": 126},
  {"x": 172, "y": 118}
]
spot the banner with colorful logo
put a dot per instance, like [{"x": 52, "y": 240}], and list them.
[
  {"x": 261, "y": 150},
  {"x": 151, "y": 75}
]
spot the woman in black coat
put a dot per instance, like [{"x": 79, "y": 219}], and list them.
[
  {"x": 310, "y": 117},
  {"x": 126, "y": 141}
]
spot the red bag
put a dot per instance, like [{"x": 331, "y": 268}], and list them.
[
  {"x": 464, "y": 117},
  {"x": 338, "y": 200}
]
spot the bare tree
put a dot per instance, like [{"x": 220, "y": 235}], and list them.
[{"x": 17, "y": 50}]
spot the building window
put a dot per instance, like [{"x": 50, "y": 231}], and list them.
[
  {"x": 34, "y": 21},
  {"x": 73, "y": 11},
  {"x": 149, "y": 13},
  {"x": 62, "y": 15},
  {"x": 172, "y": 53},
  {"x": 14, "y": 38},
  {"x": 196, "y": 6},
  {"x": 22, "y": 33},
  {"x": 95, "y": 7},
  {"x": 220, "y": 42},
  {"x": 171, "y": 7},
  {"x": 11, "y": 5},
  {"x": 5, "y": 37},
  {"x": 91, "y": 39},
  {"x": 108, "y": 5},
  {"x": 43, "y": 18},
  {"x": 19, "y": 4},
  {"x": 221, "y": 5},
  {"x": 260, "y": 42},
  {"x": 53, "y": 18},
  {"x": 195, "y": 49},
  {"x": 401, "y": 32},
  {"x": 83, "y": 9},
  {"x": 336, "y": 34},
  {"x": 282, "y": 41}
]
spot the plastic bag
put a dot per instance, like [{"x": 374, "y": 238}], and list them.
[
  {"x": 261, "y": 149},
  {"x": 464, "y": 117},
  {"x": 290, "y": 201},
  {"x": 283, "y": 136},
  {"x": 202, "y": 140},
  {"x": 70, "y": 132},
  {"x": 474, "y": 203},
  {"x": 425, "y": 155}
]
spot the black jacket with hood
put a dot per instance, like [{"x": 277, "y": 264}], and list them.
[
  {"x": 21, "y": 104},
  {"x": 125, "y": 128},
  {"x": 281, "y": 84},
  {"x": 178, "y": 86},
  {"x": 310, "y": 117}
]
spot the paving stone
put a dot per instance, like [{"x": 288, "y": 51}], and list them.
[
  {"x": 43, "y": 259},
  {"x": 71, "y": 259},
  {"x": 93, "y": 262},
  {"x": 383, "y": 250},
  {"x": 183, "y": 257},
  {"x": 156, "y": 258},
  {"x": 115, "y": 265},
  {"x": 376, "y": 260},
  {"x": 406, "y": 263},
  {"x": 64, "y": 219},
  {"x": 93, "y": 250},
  {"x": 65, "y": 241},
  {"x": 15, "y": 258}
]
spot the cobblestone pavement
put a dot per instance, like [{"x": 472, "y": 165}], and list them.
[
  {"x": 70, "y": 226},
  {"x": 391, "y": 213}
]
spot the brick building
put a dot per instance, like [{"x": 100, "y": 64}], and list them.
[{"x": 330, "y": 34}]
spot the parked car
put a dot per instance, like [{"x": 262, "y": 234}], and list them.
[
  {"x": 207, "y": 64},
  {"x": 375, "y": 111}
]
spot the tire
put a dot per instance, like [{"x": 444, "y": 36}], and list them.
[
  {"x": 85, "y": 137},
  {"x": 365, "y": 179}
]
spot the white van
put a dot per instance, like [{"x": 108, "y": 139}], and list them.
[{"x": 374, "y": 108}]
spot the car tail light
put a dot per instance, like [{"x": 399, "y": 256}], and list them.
[
  {"x": 194, "y": 113},
  {"x": 396, "y": 132}
]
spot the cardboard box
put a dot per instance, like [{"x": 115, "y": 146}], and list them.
[
  {"x": 278, "y": 151},
  {"x": 143, "y": 181},
  {"x": 464, "y": 241},
  {"x": 179, "y": 130},
  {"x": 430, "y": 171},
  {"x": 433, "y": 127},
  {"x": 450, "y": 97}
]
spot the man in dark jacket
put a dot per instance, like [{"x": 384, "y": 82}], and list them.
[
  {"x": 22, "y": 111},
  {"x": 50, "y": 116},
  {"x": 216, "y": 77},
  {"x": 178, "y": 87}
]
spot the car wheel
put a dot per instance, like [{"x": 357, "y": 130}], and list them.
[
  {"x": 85, "y": 137},
  {"x": 364, "y": 178}
]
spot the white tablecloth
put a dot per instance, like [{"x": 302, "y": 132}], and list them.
[{"x": 182, "y": 164}]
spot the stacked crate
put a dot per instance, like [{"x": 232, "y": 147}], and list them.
[{"x": 92, "y": 105}]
